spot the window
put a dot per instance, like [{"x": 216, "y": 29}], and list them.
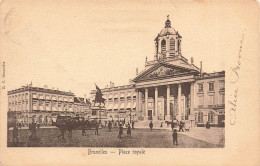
[
  {"x": 172, "y": 46},
  {"x": 222, "y": 85},
  {"x": 163, "y": 47},
  {"x": 222, "y": 99},
  {"x": 211, "y": 86},
  {"x": 200, "y": 87},
  {"x": 200, "y": 117},
  {"x": 211, "y": 116},
  {"x": 94, "y": 113}
]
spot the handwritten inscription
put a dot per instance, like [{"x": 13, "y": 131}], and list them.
[
  {"x": 234, "y": 78},
  {"x": 233, "y": 108}
]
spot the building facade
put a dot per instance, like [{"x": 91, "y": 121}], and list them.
[
  {"x": 42, "y": 105},
  {"x": 169, "y": 88}
]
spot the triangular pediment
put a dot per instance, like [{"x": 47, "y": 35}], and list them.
[{"x": 164, "y": 70}]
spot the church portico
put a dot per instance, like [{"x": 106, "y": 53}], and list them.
[{"x": 165, "y": 102}]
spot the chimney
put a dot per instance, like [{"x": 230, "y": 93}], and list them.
[
  {"x": 137, "y": 71},
  {"x": 85, "y": 98},
  {"x": 111, "y": 84},
  {"x": 191, "y": 60}
]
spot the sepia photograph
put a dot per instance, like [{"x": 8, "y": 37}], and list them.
[{"x": 128, "y": 77}]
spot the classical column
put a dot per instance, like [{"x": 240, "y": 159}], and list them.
[
  {"x": 156, "y": 101},
  {"x": 140, "y": 103},
  {"x": 168, "y": 116},
  {"x": 192, "y": 104},
  {"x": 179, "y": 102},
  {"x": 137, "y": 104},
  {"x": 146, "y": 102}
]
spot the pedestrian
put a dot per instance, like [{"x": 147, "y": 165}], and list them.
[
  {"x": 172, "y": 125},
  {"x": 83, "y": 128},
  {"x": 151, "y": 125},
  {"x": 20, "y": 125},
  {"x": 207, "y": 125},
  {"x": 62, "y": 132},
  {"x": 97, "y": 126},
  {"x": 34, "y": 131},
  {"x": 120, "y": 131},
  {"x": 109, "y": 126},
  {"x": 15, "y": 134},
  {"x": 129, "y": 131},
  {"x": 181, "y": 126},
  {"x": 133, "y": 124},
  {"x": 70, "y": 125},
  {"x": 175, "y": 137}
]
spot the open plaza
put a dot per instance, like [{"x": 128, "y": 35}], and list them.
[{"x": 161, "y": 138}]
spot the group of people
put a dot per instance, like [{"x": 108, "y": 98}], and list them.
[
  {"x": 15, "y": 132},
  {"x": 120, "y": 129},
  {"x": 129, "y": 132},
  {"x": 96, "y": 126}
]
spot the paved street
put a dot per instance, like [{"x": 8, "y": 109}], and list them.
[{"x": 48, "y": 137}]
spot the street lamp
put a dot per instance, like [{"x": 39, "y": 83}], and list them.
[{"x": 130, "y": 115}]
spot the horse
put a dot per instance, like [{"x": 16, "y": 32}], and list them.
[
  {"x": 69, "y": 125},
  {"x": 102, "y": 100}
]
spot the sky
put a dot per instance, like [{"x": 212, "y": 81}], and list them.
[{"x": 70, "y": 45}]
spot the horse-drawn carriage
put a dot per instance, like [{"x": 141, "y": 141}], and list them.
[{"x": 74, "y": 122}]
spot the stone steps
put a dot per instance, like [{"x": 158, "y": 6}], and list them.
[{"x": 156, "y": 124}]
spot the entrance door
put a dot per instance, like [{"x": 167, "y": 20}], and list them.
[
  {"x": 150, "y": 114},
  {"x": 221, "y": 120}
]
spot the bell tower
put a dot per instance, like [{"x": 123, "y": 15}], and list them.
[{"x": 167, "y": 43}]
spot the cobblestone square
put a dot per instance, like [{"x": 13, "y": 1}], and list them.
[{"x": 157, "y": 138}]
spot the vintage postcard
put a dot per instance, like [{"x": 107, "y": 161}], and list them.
[{"x": 129, "y": 82}]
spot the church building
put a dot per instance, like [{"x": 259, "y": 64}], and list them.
[{"x": 169, "y": 88}]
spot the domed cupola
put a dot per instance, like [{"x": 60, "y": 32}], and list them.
[
  {"x": 167, "y": 30},
  {"x": 167, "y": 43}
]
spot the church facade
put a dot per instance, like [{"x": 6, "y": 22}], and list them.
[{"x": 169, "y": 88}]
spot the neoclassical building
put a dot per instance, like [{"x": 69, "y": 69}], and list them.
[
  {"x": 42, "y": 105},
  {"x": 170, "y": 87}
]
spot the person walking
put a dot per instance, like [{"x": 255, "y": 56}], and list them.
[
  {"x": 120, "y": 131},
  {"x": 133, "y": 124},
  {"x": 172, "y": 125},
  {"x": 129, "y": 131},
  {"x": 181, "y": 126},
  {"x": 97, "y": 126},
  {"x": 109, "y": 126},
  {"x": 83, "y": 128},
  {"x": 15, "y": 134},
  {"x": 207, "y": 125},
  {"x": 175, "y": 137},
  {"x": 151, "y": 126},
  {"x": 62, "y": 132}
]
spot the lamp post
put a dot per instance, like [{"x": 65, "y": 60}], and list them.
[{"x": 130, "y": 115}]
